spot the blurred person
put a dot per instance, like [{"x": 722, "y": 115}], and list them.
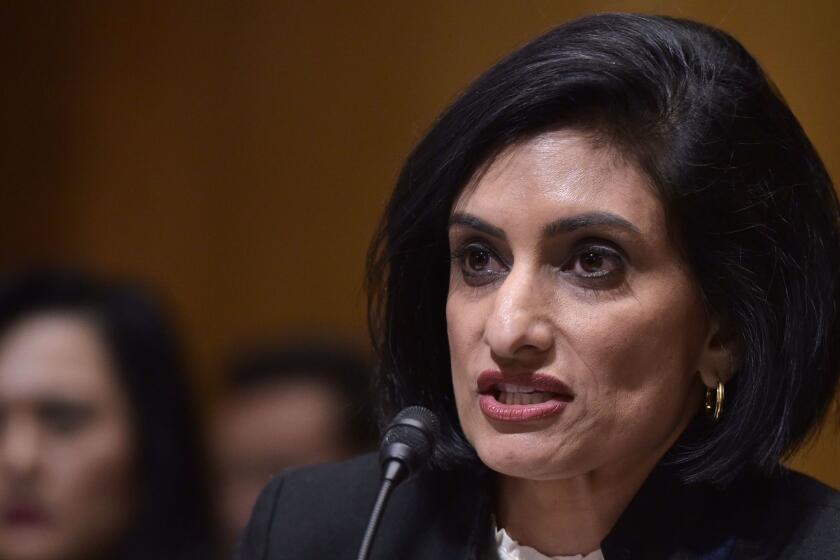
[
  {"x": 99, "y": 449},
  {"x": 298, "y": 403}
]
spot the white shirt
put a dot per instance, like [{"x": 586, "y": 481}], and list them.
[{"x": 509, "y": 549}]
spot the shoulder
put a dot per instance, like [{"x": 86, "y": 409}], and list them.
[
  {"x": 799, "y": 515},
  {"x": 322, "y": 512},
  {"x": 809, "y": 493},
  {"x": 333, "y": 486},
  {"x": 817, "y": 506},
  {"x": 320, "y": 507}
]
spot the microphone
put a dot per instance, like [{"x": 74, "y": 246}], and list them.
[{"x": 407, "y": 444}]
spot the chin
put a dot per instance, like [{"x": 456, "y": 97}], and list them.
[
  {"x": 26, "y": 549},
  {"x": 520, "y": 456}
]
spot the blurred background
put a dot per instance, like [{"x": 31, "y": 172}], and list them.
[{"x": 236, "y": 155}]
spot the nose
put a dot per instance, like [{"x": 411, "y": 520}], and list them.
[
  {"x": 519, "y": 325},
  {"x": 19, "y": 448}
]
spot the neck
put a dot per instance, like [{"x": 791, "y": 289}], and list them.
[{"x": 567, "y": 516}]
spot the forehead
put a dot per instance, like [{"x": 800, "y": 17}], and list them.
[
  {"x": 56, "y": 353},
  {"x": 289, "y": 412},
  {"x": 561, "y": 173}
]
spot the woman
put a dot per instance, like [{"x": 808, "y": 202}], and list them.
[
  {"x": 611, "y": 269},
  {"x": 98, "y": 444}
]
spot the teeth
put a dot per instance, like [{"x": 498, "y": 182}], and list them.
[
  {"x": 508, "y": 388},
  {"x": 523, "y": 398}
]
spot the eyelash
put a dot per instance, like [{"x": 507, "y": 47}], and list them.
[
  {"x": 596, "y": 247},
  {"x": 470, "y": 248}
]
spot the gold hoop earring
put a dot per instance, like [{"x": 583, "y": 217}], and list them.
[{"x": 714, "y": 407}]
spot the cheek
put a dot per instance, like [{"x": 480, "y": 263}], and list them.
[
  {"x": 91, "y": 484},
  {"x": 460, "y": 334},
  {"x": 640, "y": 344},
  {"x": 640, "y": 363},
  {"x": 465, "y": 320},
  {"x": 464, "y": 331}
]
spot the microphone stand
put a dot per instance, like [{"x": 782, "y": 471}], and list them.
[
  {"x": 407, "y": 443},
  {"x": 393, "y": 471}
]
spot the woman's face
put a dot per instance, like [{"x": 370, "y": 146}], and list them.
[
  {"x": 575, "y": 330},
  {"x": 66, "y": 446}
]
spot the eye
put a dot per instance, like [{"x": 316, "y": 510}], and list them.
[
  {"x": 478, "y": 264},
  {"x": 477, "y": 259},
  {"x": 65, "y": 418},
  {"x": 595, "y": 262}
]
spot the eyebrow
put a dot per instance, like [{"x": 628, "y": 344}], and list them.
[
  {"x": 470, "y": 221},
  {"x": 567, "y": 225},
  {"x": 563, "y": 225}
]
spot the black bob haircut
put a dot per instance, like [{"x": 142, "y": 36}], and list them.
[
  {"x": 748, "y": 201},
  {"x": 172, "y": 518}
]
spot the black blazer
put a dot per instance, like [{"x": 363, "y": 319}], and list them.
[{"x": 321, "y": 512}]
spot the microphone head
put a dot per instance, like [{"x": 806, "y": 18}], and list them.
[{"x": 410, "y": 438}]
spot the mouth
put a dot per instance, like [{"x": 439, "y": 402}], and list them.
[
  {"x": 521, "y": 398},
  {"x": 24, "y": 516}
]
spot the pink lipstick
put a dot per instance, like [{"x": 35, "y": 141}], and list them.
[
  {"x": 24, "y": 515},
  {"x": 521, "y": 398}
]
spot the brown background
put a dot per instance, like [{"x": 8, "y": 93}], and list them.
[{"x": 237, "y": 155}]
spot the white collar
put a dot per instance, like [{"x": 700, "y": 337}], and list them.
[{"x": 509, "y": 549}]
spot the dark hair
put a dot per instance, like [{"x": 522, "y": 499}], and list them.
[
  {"x": 748, "y": 201},
  {"x": 335, "y": 365},
  {"x": 173, "y": 515}
]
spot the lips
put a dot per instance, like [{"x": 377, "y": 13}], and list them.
[
  {"x": 24, "y": 515},
  {"x": 521, "y": 398}
]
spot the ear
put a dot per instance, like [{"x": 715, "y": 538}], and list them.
[{"x": 719, "y": 356}]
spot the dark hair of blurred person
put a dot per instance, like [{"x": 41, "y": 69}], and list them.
[
  {"x": 100, "y": 455},
  {"x": 301, "y": 402}
]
